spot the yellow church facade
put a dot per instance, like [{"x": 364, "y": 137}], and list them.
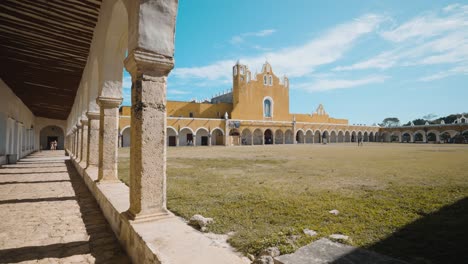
[{"x": 254, "y": 112}]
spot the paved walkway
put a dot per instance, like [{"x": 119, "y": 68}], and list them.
[{"x": 48, "y": 215}]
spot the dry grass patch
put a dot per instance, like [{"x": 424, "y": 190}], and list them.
[{"x": 268, "y": 194}]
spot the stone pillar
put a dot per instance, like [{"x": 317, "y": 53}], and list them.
[
  {"x": 108, "y": 138},
  {"x": 177, "y": 140},
  {"x": 148, "y": 129},
  {"x": 78, "y": 142},
  {"x": 84, "y": 140},
  {"x": 209, "y": 139},
  {"x": 93, "y": 139}
]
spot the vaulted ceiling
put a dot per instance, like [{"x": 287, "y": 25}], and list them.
[{"x": 44, "y": 45}]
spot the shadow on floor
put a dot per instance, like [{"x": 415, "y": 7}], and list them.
[
  {"x": 102, "y": 243},
  {"x": 31, "y": 182},
  {"x": 439, "y": 237}
]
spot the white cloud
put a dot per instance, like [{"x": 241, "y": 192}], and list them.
[
  {"x": 334, "y": 84},
  {"x": 459, "y": 70},
  {"x": 425, "y": 40},
  {"x": 262, "y": 33},
  {"x": 294, "y": 61}
]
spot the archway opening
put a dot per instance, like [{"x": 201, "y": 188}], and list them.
[
  {"x": 234, "y": 137},
  {"x": 418, "y": 137},
  {"x": 268, "y": 137},
  {"x": 202, "y": 137},
  {"x": 333, "y": 137},
  {"x": 49, "y": 135},
  {"x": 371, "y": 137},
  {"x": 309, "y": 137},
  {"x": 340, "y": 137},
  {"x": 171, "y": 137},
  {"x": 406, "y": 137},
  {"x": 317, "y": 137},
  {"x": 353, "y": 137},
  {"x": 325, "y": 137},
  {"x": 125, "y": 138},
  {"x": 289, "y": 137},
  {"x": 300, "y": 137},
  {"x": 217, "y": 137},
  {"x": 258, "y": 137},
  {"x": 366, "y": 137},
  {"x": 186, "y": 137},
  {"x": 246, "y": 137},
  {"x": 347, "y": 136},
  {"x": 431, "y": 137},
  {"x": 279, "y": 137}
]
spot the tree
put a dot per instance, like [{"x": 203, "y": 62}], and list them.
[{"x": 390, "y": 122}]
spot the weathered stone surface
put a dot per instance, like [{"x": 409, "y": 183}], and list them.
[
  {"x": 264, "y": 260},
  {"x": 200, "y": 222},
  {"x": 52, "y": 216},
  {"x": 334, "y": 212},
  {"x": 325, "y": 251},
  {"x": 271, "y": 251},
  {"x": 93, "y": 139},
  {"x": 309, "y": 232},
  {"x": 339, "y": 237}
]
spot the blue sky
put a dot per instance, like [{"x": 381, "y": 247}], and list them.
[{"x": 363, "y": 60}]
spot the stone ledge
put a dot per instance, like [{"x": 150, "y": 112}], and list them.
[{"x": 166, "y": 240}]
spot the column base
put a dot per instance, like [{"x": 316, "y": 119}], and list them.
[{"x": 139, "y": 218}]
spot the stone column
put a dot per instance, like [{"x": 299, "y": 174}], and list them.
[
  {"x": 148, "y": 129},
  {"x": 108, "y": 138},
  {"x": 93, "y": 139},
  {"x": 78, "y": 142},
  {"x": 84, "y": 140},
  {"x": 209, "y": 139},
  {"x": 177, "y": 140}
]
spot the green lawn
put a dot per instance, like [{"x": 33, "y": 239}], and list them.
[{"x": 268, "y": 194}]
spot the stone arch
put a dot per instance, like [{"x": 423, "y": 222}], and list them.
[
  {"x": 50, "y": 133},
  {"x": 309, "y": 137},
  {"x": 371, "y": 137},
  {"x": 246, "y": 137},
  {"x": 365, "y": 136},
  {"x": 341, "y": 136},
  {"x": 433, "y": 136},
  {"x": 279, "y": 136},
  {"x": 258, "y": 137},
  {"x": 318, "y": 136},
  {"x": 217, "y": 136},
  {"x": 333, "y": 136},
  {"x": 395, "y": 136},
  {"x": 202, "y": 136},
  {"x": 353, "y": 136},
  {"x": 419, "y": 136},
  {"x": 347, "y": 136},
  {"x": 171, "y": 134},
  {"x": 114, "y": 48},
  {"x": 289, "y": 137},
  {"x": 186, "y": 137},
  {"x": 447, "y": 136},
  {"x": 125, "y": 134},
  {"x": 300, "y": 136},
  {"x": 407, "y": 136},
  {"x": 359, "y": 135},
  {"x": 325, "y": 137},
  {"x": 268, "y": 136}
]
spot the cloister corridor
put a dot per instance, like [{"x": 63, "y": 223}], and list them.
[{"x": 48, "y": 215}]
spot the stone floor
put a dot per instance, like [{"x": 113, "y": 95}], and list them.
[{"x": 47, "y": 215}]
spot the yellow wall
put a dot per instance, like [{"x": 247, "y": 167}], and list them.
[{"x": 199, "y": 110}]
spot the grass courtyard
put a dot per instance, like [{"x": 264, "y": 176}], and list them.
[{"x": 404, "y": 200}]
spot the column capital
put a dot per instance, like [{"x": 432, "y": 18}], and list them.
[
  {"x": 108, "y": 102},
  {"x": 92, "y": 115},
  {"x": 78, "y": 126},
  {"x": 142, "y": 62}
]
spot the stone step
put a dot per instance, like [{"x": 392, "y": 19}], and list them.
[{"x": 326, "y": 251}]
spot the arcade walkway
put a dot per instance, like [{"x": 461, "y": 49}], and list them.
[{"x": 47, "y": 215}]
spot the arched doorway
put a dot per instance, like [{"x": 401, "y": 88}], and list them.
[
  {"x": 279, "y": 137},
  {"x": 171, "y": 136},
  {"x": 202, "y": 136},
  {"x": 353, "y": 137},
  {"x": 371, "y": 137},
  {"x": 419, "y": 137},
  {"x": 186, "y": 137},
  {"x": 268, "y": 137},
  {"x": 333, "y": 137},
  {"x": 258, "y": 137},
  {"x": 234, "y": 137},
  {"x": 309, "y": 137},
  {"x": 300, "y": 136},
  {"x": 340, "y": 136},
  {"x": 347, "y": 136},
  {"x": 125, "y": 137},
  {"x": 432, "y": 137},
  {"x": 366, "y": 137},
  {"x": 317, "y": 137},
  {"x": 406, "y": 137},
  {"x": 217, "y": 137},
  {"x": 289, "y": 137},
  {"x": 325, "y": 137},
  {"x": 359, "y": 136},
  {"x": 50, "y": 134},
  {"x": 246, "y": 137}
]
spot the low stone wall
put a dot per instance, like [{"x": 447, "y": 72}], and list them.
[{"x": 161, "y": 241}]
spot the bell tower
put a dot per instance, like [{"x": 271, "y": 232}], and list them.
[{"x": 241, "y": 76}]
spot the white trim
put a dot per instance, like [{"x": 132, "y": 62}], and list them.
[
  {"x": 204, "y": 128},
  {"x": 180, "y": 130},
  {"x": 125, "y": 127},
  {"x": 173, "y": 128},
  {"x": 216, "y": 128}
]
